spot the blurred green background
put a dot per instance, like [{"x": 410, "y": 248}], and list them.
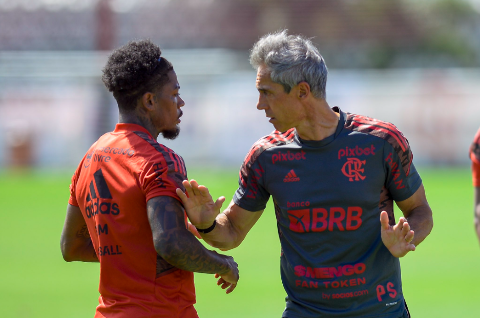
[
  {"x": 440, "y": 279},
  {"x": 413, "y": 63}
]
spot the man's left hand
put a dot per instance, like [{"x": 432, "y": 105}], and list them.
[{"x": 397, "y": 238}]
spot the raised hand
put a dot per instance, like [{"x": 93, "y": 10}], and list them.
[
  {"x": 397, "y": 238},
  {"x": 199, "y": 205}
]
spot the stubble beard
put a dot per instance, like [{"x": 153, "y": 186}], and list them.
[{"x": 171, "y": 134}]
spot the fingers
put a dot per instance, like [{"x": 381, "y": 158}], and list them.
[
  {"x": 231, "y": 288},
  {"x": 219, "y": 203},
  {"x": 384, "y": 220},
  {"x": 194, "y": 186},
  {"x": 224, "y": 284},
  {"x": 194, "y": 189},
  {"x": 181, "y": 195},
  {"x": 409, "y": 236}
]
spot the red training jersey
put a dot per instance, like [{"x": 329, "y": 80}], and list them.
[
  {"x": 111, "y": 186},
  {"x": 475, "y": 156}
]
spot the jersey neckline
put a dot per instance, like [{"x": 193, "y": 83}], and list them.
[
  {"x": 125, "y": 127},
  {"x": 327, "y": 140}
]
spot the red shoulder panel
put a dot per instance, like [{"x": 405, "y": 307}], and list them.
[
  {"x": 384, "y": 130},
  {"x": 276, "y": 138}
]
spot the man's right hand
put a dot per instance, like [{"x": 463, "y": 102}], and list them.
[
  {"x": 199, "y": 205},
  {"x": 230, "y": 279}
]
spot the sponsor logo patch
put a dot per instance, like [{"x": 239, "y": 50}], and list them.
[
  {"x": 288, "y": 156},
  {"x": 291, "y": 177},
  {"x": 357, "y": 151}
]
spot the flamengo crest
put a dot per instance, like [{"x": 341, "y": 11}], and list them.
[{"x": 353, "y": 169}]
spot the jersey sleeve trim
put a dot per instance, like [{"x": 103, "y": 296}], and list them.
[
  {"x": 274, "y": 139},
  {"x": 386, "y": 131},
  {"x": 174, "y": 162}
]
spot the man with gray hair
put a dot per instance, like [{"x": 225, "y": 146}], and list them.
[{"x": 333, "y": 177}]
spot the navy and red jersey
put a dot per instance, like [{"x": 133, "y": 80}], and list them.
[
  {"x": 328, "y": 196},
  {"x": 111, "y": 186},
  {"x": 475, "y": 157}
]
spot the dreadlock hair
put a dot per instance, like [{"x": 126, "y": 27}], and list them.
[{"x": 134, "y": 69}]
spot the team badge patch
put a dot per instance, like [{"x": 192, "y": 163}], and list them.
[{"x": 353, "y": 169}]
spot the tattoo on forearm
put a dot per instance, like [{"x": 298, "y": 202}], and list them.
[
  {"x": 180, "y": 247},
  {"x": 83, "y": 232}
]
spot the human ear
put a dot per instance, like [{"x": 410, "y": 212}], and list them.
[
  {"x": 148, "y": 101},
  {"x": 303, "y": 89}
]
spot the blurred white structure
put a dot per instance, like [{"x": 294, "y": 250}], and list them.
[{"x": 55, "y": 96}]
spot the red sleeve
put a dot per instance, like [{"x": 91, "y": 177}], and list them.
[
  {"x": 163, "y": 175},
  {"x": 73, "y": 186}
]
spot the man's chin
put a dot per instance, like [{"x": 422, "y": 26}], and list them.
[
  {"x": 171, "y": 133},
  {"x": 281, "y": 129}
]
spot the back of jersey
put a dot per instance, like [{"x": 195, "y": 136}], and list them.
[{"x": 116, "y": 178}]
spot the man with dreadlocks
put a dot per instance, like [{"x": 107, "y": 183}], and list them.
[{"x": 123, "y": 210}]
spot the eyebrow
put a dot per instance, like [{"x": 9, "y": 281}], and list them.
[{"x": 263, "y": 88}]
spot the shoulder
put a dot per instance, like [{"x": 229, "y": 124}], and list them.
[
  {"x": 274, "y": 139},
  {"x": 156, "y": 153},
  {"x": 384, "y": 130}
]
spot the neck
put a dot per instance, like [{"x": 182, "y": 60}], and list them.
[
  {"x": 321, "y": 123},
  {"x": 134, "y": 118}
]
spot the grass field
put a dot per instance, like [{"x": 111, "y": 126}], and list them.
[{"x": 441, "y": 279}]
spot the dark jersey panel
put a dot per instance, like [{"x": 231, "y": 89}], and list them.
[{"x": 328, "y": 196}]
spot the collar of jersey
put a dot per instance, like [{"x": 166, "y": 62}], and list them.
[
  {"x": 329, "y": 139},
  {"x": 122, "y": 127}
]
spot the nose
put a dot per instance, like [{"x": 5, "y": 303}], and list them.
[
  {"x": 261, "y": 104},
  {"x": 180, "y": 102}
]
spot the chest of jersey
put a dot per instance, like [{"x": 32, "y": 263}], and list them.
[{"x": 338, "y": 175}]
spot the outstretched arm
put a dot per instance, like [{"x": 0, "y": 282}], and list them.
[
  {"x": 174, "y": 243},
  {"x": 231, "y": 226},
  {"x": 75, "y": 242},
  {"x": 411, "y": 229}
]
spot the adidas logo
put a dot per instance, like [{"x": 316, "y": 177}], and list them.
[{"x": 291, "y": 177}]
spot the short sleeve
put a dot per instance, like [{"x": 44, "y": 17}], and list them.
[
  {"x": 163, "y": 174},
  {"x": 402, "y": 179},
  {"x": 251, "y": 194},
  {"x": 73, "y": 185}
]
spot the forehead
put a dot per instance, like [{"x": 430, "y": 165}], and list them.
[
  {"x": 171, "y": 85},
  {"x": 264, "y": 81},
  {"x": 172, "y": 80},
  {"x": 263, "y": 74}
]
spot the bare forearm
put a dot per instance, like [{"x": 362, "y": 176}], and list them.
[
  {"x": 87, "y": 254},
  {"x": 174, "y": 243},
  {"x": 421, "y": 222},
  {"x": 186, "y": 252},
  {"x": 79, "y": 247},
  {"x": 223, "y": 235}
]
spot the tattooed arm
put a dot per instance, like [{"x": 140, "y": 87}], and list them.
[
  {"x": 75, "y": 243},
  {"x": 179, "y": 247}
]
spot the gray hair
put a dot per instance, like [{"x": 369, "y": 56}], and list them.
[{"x": 291, "y": 59}]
